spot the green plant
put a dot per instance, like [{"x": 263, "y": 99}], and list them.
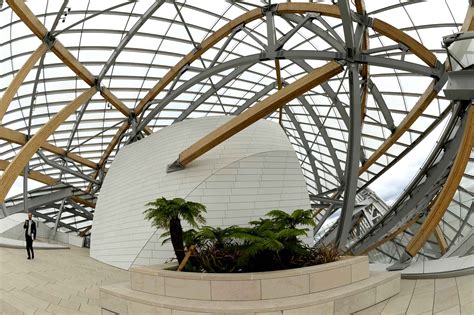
[
  {"x": 218, "y": 237},
  {"x": 269, "y": 243},
  {"x": 167, "y": 214}
]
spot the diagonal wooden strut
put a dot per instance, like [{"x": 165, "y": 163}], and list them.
[
  {"x": 17, "y": 137},
  {"x": 258, "y": 111},
  {"x": 20, "y": 76},
  {"x": 28, "y": 150}
]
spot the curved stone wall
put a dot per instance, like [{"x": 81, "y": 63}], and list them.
[{"x": 240, "y": 180}]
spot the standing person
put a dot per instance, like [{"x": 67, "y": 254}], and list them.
[{"x": 30, "y": 235}]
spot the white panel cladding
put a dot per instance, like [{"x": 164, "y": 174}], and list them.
[{"x": 241, "y": 179}]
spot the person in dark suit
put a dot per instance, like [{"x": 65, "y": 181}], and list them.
[{"x": 30, "y": 235}]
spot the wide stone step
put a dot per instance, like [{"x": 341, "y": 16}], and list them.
[{"x": 121, "y": 299}]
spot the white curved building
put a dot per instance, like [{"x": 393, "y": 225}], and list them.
[{"x": 238, "y": 181}]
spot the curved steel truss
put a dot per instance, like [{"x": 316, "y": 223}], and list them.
[{"x": 356, "y": 94}]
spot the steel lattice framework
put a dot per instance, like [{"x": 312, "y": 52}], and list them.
[{"x": 356, "y": 86}]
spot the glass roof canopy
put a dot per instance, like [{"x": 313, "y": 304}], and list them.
[{"x": 316, "y": 123}]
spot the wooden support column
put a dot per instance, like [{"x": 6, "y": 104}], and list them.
[
  {"x": 260, "y": 110},
  {"x": 16, "y": 166}
]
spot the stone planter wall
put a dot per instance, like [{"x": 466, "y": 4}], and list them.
[
  {"x": 341, "y": 287},
  {"x": 248, "y": 286}
]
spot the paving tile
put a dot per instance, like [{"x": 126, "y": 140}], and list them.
[
  {"x": 445, "y": 299},
  {"x": 67, "y": 282},
  {"x": 455, "y": 310},
  {"x": 421, "y": 303},
  {"x": 7, "y": 308},
  {"x": 90, "y": 309},
  {"x": 18, "y": 303},
  {"x": 30, "y": 299},
  {"x": 41, "y": 294},
  {"x": 424, "y": 286}
]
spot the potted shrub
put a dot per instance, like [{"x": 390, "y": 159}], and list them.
[{"x": 270, "y": 243}]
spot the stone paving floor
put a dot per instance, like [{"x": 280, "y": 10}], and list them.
[
  {"x": 67, "y": 282},
  {"x": 55, "y": 282},
  {"x": 447, "y": 296}
]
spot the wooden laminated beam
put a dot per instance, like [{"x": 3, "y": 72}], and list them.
[
  {"x": 426, "y": 98},
  {"x": 420, "y": 106},
  {"x": 47, "y": 180},
  {"x": 282, "y": 8},
  {"x": 469, "y": 20},
  {"x": 258, "y": 111},
  {"x": 115, "y": 140},
  {"x": 115, "y": 102},
  {"x": 20, "y": 76},
  {"x": 400, "y": 37},
  {"x": 35, "y": 25},
  {"x": 28, "y": 150},
  {"x": 438, "y": 209},
  {"x": 17, "y": 137},
  {"x": 37, "y": 176},
  {"x": 443, "y": 245}
]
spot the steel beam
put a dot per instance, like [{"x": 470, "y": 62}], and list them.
[
  {"x": 258, "y": 111},
  {"x": 79, "y": 208},
  {"x": 15, "y": 167},
  {"x": 231, "y": 76},
  {"x": 461, "y": 228},
  {"x": 17, "y": 137},
  {"x": 49, "y": 219},
  {"x": 324, "y": 134},
  {"x": 353, "y": 154},
  {"x": 20, "y": 76},
  {"x": 36, "y": 202},
  {"x": 308, "y": 150},
  {"x": 267, "y": 89},
  {"x": 58, "y": 219},
  {"x": 329, "y": 91},
  {"x": 417, "y": 198},
  {"x": 382, "y": 105},
  {"x": 282, "y": 41},
  {"x": 438, "y": 209},
  {"x": 133, "y": 30},
  {"x": 66, "y": 169}
]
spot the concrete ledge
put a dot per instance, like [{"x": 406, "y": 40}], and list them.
[
  {"x": 120, "y": 298},
  {"x": 248, "y": 286},
  {"x": 448, "y": 267}
]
